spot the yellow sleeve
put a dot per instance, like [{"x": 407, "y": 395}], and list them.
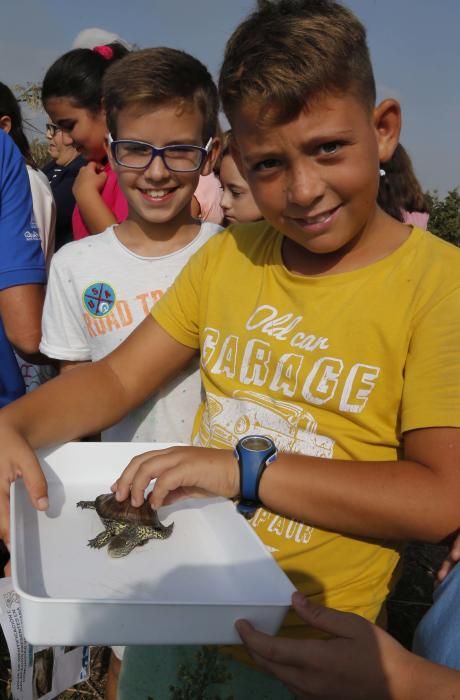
[
  {"x": 178, "y": 311},
  {"x": 431, "y": 395}
]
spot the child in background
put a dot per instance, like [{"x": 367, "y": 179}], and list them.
[
  {"x": 61, "y": 172},
  {"x": 44, "y": 208},
  {"x": 326, "y": 328},
  {"x": 22, "y": 270},
  {"x": 117, "y": 277},
  {"x": 400, "y": 194},
  {"x": 22, "y": 277},
  {"x": 101, "y": 288},
  {"x": 360, "y": 659},
  {"x": 206, "y": 200},
  {"x": 236, "y": 201},
  {"x": 71, "y": 95},
  {"x": 357, "y": 660},
  {"x": 437, "y": 636},
  {"x": 43, "y": 223}
]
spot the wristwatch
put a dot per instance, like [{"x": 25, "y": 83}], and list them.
[{"x": 254, "y": 453}]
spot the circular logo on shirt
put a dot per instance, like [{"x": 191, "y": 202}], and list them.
[{"x": 99, "y": 298}]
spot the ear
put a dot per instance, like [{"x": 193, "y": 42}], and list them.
[
  {"x": 387, "y": 124},
  {"x": 210, "y": 161},
  {"x": 108, "y": 150},
  {"x": 5, "y": 123}
]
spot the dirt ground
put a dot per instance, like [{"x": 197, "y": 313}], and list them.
[{"x": 410, "y": 600}]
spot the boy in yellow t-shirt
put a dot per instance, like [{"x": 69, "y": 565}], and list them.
[{"x": 328, "y": 329}]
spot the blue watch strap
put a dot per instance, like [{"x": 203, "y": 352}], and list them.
[{"x": 254, "y": 453}]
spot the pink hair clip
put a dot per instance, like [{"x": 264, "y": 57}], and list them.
[{"x": 104, "y": 51}]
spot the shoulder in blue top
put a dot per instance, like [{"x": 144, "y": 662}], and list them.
[{"x": 21, "y": 256}]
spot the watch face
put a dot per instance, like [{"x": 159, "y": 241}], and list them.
[{"x": 257, "y": 443}]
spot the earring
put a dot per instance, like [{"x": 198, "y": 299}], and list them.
[{"x": 382, "y": 172}]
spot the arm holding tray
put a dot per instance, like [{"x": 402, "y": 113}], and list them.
[{"x": 83, "y": 401}]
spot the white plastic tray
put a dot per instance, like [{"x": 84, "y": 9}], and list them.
[{"x": 188, "y": 589}]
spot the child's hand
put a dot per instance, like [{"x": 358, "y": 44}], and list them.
[
  {"x": 90, "y": 179},
  {"x": 17, "y": 459},
  {"x": 449, "y": 562},
  {"x": 180, "y": 472},
  {"x": 359, "y": 661}
]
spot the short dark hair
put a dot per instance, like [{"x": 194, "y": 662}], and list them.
[
  {"x": 78, "y": 75},
  {"x": 288, "y": 53},
  {"x": 156, "y": 76},
  {"x": 9, "y": 106}
]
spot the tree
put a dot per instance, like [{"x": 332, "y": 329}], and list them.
[
  {"x": 445, "y": 215},
  {"x": 30, "y": 95}
]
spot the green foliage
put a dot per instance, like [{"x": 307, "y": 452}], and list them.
[
  {"x": 29, "y": 94},
  {"x": 445, "y": 215}
]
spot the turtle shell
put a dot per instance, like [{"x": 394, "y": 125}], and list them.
[{"x": 109, "y": 508}]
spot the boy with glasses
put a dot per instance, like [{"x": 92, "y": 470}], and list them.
[{"x": 100, "y": 288}]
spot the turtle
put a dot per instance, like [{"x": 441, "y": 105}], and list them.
[{"x": 126, "y": 526}]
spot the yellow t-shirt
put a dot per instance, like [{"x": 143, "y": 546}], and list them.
[{"x": 336, "y": 366}]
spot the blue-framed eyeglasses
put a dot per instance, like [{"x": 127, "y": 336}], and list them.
[{"x": 180, "y": 158}]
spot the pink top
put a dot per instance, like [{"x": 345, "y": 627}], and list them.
[
  {"x": 114, "y": 199},
  {"x": 416, "y": 218},
  {"x": 208, "y": 194}
]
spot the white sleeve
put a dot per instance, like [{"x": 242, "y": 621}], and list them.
[
  {"x": 64, "y": 334},
  {"x": 44, "y": 209}
]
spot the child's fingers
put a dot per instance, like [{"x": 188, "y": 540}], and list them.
[
  {"x": 179, "y": 472},
  {"x": 144, "y": 475},
  {"x": 297, "y": 663},
  {"x": 193, "y": 472},
  {"x": 293, "y": 677},
  {"x": 149, "y": 464},
  {"x": 5, "y": 512},
  {"x": 336, "y": 623},
  {"x": 446, "y": 566},
  {"x": 277, "y": 650},
  {"x": 449, "y": 562},
  {"x": 34, "y": 481},
  {"x": 122, "y": 485},
  {"x": 454, "y": 553},
  {"x": 101, "y": 178},
  {"x": 172, "y": 485}
]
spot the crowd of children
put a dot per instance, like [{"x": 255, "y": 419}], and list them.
[{"x": 318, "y": 315}]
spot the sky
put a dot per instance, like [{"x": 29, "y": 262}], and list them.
[{"x": 415, "y": 48}]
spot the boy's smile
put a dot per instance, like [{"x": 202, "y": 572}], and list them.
[
  {"x": 317, "y": 223},
  {"x": 316, "y": 177},
  {"x": 157, "y": 196}
]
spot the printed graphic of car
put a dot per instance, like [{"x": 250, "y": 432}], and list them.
[{"x": 291, "y": 427}]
